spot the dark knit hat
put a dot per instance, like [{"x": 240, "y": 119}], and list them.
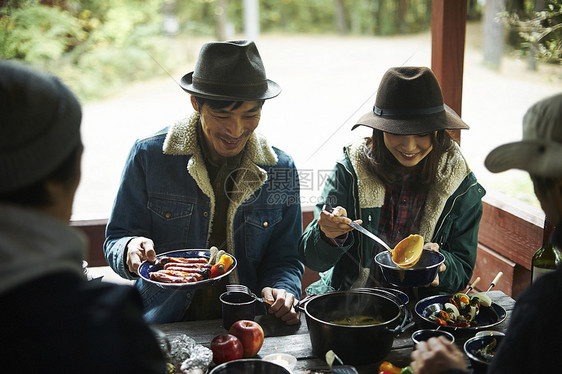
[{"x": 39, "y": 122}]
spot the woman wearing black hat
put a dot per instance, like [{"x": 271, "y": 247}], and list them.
[{"x": 408, "y": 178}]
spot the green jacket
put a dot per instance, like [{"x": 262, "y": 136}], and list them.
[{"x": 451, "y": 217}]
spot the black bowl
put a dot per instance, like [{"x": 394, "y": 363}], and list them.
[
  {"x": 419, "y": 275},
  {"x": 479, "y": 363},
  {"x": 249, "y": 366},
  {"x": 423, "y": 335},
  {"x": 486, "y": 317}
]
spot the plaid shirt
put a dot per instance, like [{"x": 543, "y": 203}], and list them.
[{"x": 402, "y": 210}]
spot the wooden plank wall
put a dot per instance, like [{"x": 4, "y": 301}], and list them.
[{"x": 510, "y": 233}]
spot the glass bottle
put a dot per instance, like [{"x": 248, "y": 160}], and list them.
[{"x": 548, "y": 257}]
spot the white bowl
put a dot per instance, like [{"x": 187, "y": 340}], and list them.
[
  {"x": 283, "y": 359},
  {"x": 489, "y": 332}
]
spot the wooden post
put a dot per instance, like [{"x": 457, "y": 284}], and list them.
[{"x": 448, "y": 31}]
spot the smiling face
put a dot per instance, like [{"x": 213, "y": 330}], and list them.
[
  {"x": 226, "y": 130},
  {"x": 409, "y": 150}
]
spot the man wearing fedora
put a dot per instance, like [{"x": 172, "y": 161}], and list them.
[
  {"x": 210, "y": 180},
  {"x": 409, "y": 177},
  {"x": 530, "y": 342}
]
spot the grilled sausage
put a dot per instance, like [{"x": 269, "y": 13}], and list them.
[
  {"x": 187, "y": 266},
  {"x": 166, "y": 278},
  {"x": 193, "y": 260},
  {"x": 205, "y": 272}
]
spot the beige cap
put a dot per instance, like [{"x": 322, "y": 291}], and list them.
[{"x": 540, "y": 150}]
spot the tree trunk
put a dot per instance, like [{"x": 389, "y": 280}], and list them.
[
  {"x": 532, "y": 58},
  {"x": 493, "y": 33},
  {"x": 221, "y": 19},
  {"x": 401, "y": 22},
  {"x": 356, "y": 16},
  {"x": 340, "y": 17},
  {"x": 251, "y": 19}
]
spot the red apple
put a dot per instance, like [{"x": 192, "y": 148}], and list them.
[
  {"x": 225, "y": 348},
  {"x": 250, "y": 334}
]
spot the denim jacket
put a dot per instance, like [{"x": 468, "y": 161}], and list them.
[
  {"x": 165, "y": 195},
  {"x": 451, "y": 217}
]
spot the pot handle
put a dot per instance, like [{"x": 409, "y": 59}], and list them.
[
  {"x": 407, "y": 322},
  {"x": 382, "y": 292},
  {"x": 299, "y": 306}
]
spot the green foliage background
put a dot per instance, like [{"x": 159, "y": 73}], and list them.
[
  {"x": 98, "y": 46},
  {"x": 95, "y": 46}
]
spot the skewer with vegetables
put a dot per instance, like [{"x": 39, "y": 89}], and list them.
[{"x": 462, "y": 309}]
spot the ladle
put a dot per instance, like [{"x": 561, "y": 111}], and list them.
[{"x": 406, "y": 253}]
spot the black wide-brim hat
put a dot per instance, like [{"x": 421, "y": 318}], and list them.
[
  {"x": 231, "y": 70},
  {"x": 409, "y": 102}
]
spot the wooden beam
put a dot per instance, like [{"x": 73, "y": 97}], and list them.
[
  {"x": 95, "y": 231},
  {"x": 448, "y": 32}
]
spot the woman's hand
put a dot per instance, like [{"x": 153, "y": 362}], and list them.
[
  {"x": 282, "y": 304},
  {"x": 435, "y": 356},
  {"x": 335, "y": 223},
  {"x": 139, "y": 249},
  {"x": 435, "y": 247}
]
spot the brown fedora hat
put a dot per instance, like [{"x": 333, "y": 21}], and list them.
[
  {"x": 409, "y": 102},
  {"x": 230, "y": 70}
]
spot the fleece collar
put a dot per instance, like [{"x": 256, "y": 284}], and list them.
[
  {"x": 181, "y": 139},
  {"x": 451, "y": 172}
]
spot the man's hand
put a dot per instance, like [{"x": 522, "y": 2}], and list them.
[
  {"x": 282, "y": 306},
  {"x": 336, "y": 223},
  {"x": 436, "y": 355},
  {"x": 435, "y": 247},
  {"x": 139, "y": 249}
]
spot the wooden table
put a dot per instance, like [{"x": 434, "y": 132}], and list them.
[{"x": 294, "y": 340}]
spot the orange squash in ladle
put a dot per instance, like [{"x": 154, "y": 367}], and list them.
[{"x": 408, "y": 252}]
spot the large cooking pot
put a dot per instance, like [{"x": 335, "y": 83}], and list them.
[{"x": 354, "y": 344}]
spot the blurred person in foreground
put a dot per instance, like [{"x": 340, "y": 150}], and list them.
[
  {"x": 53, "y": 319},
  {"x": 211, "y": 180},
  {"x": 409, "y": 177},
  {"x": 530, "y": 342}
]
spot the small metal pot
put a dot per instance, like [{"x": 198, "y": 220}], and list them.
[
  {"x": 354, "y": 344},
  {"x": 472, "y": 345}
]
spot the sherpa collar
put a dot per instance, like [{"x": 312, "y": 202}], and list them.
[
  {"x": 451, "y": 172},
  {"x": 181, "y": 139}
]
